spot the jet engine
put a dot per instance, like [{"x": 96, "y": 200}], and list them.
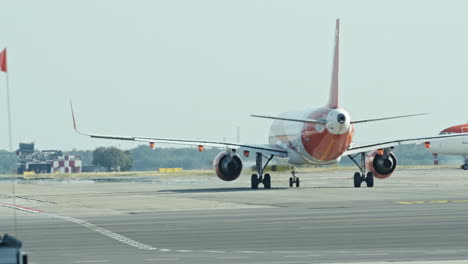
[
  {"x": 381, "y": 164},
  {"x": 227, "y": 167}
]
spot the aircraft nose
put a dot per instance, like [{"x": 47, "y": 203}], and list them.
[{"x": 341, "y": 118}]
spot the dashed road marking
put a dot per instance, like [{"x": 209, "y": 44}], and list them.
[
  {"x": 161, "y": 259},
  {"x": 433, "y": 202},
  {"x": 115, "y": 236},
  {"x": 372, "y": 254},
  {"x": 183, "y": 250},
  {"x": 442, "y": 252},
  {"x": 142, "y": 246},
  {"x": 302, "y": 256},
  {"x": 90, "y": 261},
  {"x": 238, "y": 257},
  {"x": 214, "y": 251}
]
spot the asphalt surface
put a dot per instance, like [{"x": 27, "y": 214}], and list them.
[{"x": 416, "y": 216}]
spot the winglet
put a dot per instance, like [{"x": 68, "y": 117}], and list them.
[
  {"x": 73, "y": 116},
  {"x": 334, "y": 91}
]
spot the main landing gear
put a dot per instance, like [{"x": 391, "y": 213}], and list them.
[
  {"x": 256, "y": 179},
  {"x": 293, "y": 180},
  {"x": 465, "y": 165},
  {"x": 359, "y": 176}
]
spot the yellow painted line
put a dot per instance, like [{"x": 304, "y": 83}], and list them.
[{"x": 433, "y": 202}]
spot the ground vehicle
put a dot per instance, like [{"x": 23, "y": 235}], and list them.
[{"x": 10, "y": 251}]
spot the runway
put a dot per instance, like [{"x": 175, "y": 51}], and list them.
[{"x": 416, "y": 215}]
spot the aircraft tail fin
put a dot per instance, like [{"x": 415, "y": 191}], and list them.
[{"x": 334, "y": 89}]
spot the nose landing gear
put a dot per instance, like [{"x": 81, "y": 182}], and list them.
[
  {"x": 294, "y": 179},
  {"x": 465, "y": 165}
]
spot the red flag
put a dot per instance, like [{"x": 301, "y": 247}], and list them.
[{"x": 3, "y": 64}]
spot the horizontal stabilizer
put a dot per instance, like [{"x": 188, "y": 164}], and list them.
[
  {"x": 304, "y": 120},
  {"x": 384, "y": 118}
]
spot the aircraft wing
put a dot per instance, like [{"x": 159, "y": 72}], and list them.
[
  {"x": 266, "y": 149},
  {"x": 392, "y": 143}
]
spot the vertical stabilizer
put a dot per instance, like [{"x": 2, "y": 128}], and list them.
[{"x": 334, "y": 90}]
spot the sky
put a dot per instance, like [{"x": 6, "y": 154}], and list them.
[{"x": 199, "y": 69}]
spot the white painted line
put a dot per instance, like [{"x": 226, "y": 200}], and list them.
[
  {"x": 301, "y": 256},
  {"x": 441, "y": 252},
  {"x": 291, "y": 252},
  {"x": 372, "y": 254},
  {"x": 232, "y": 257},
  {"x": 161, "y": 259},
  {"x": 100, "y": 230},
  {"x": 213, "y": 251},
  {"x": 90, "y": 261}
]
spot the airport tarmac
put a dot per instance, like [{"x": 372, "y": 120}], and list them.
[{"x": 419, "y": 215}]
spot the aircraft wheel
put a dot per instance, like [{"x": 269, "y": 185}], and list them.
[
  {"x": 267, "y": 181},
  {"x": 290, "y": 182},
  {"x": 357, "y": 180},
  {"x": 254, "y": 181},
  {"x": 370, "y": 179},
  {"x": 297, "y": 182}
]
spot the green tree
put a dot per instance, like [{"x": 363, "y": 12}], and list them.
[
  {"x": 113, "y": 159},
  {"x": 186, "y": 158},
  {"x": 7, "y": 162}
]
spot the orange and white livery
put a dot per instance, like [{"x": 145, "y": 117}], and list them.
[
  {"x": 319, "y": 136},
  {"x": 457, "y": 146}
]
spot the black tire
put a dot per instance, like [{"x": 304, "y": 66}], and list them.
[
  {"x": 290, "y": 182},
  {"x": 254, "y": 181},
  {"x": 267, "y": 181},
  {"x": 465, "y": 166},
  {"x": 297, "y": 182},
  {"x": 357, "y": 180},
  {"x": 370, "y": 179}
]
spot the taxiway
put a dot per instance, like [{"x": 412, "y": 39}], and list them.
[{"x": 416, "y": 215}]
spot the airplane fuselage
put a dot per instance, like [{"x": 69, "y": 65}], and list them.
[
  {"x": 452, "y": 146},
  {"x": 309, "y": 143}
]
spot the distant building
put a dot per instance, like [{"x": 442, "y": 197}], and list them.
[{"x": 46, "y": 161}]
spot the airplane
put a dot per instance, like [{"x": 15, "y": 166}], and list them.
[
  {"x": 320, "y": 136},
  {"x": 451, "y": 146}
]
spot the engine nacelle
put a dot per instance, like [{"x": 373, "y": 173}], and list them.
[
  {"x": 382, "y": 166},
  {"x": 227, "y": 167}
]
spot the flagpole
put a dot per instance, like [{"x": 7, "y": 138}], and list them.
[
  {"x": 9, "y": 111},
  {"x": 3, "y": 67}
]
